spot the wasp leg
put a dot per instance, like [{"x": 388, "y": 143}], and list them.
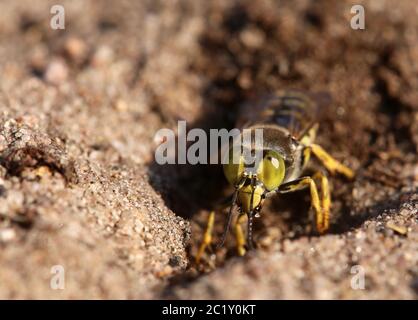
[
  {"x": 325, "y": 200},
  {"x": 302, "y": 183},
  {"x": 207, "y": 237},
  {"x": 239, "y": 235},
  {"x": 330, "y": 163},
  {"x": 309, "y": 136}
]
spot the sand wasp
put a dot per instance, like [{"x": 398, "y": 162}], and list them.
[{"x": 289, "y": 120}]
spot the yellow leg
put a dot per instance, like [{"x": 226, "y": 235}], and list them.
[
  {"x": 321, "y": 217},
  {"x": 239, "y": 235},
  {"x": 309, "y": 137},
  {"x": 330, "y": 163},
  {"x": 325, "y": 201},
  {"x": 306, "y": 156},
  {"x": 207, "y": 237}
]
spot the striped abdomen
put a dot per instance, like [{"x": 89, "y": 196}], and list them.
[{"x": 293, "y": 110}]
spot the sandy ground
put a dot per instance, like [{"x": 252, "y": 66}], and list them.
[{"x": 79, "y": 109}]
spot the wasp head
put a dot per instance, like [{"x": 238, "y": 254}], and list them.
[{"x": 254, "y": 180}]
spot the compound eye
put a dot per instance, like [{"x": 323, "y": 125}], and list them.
[
  {"x": 234, "y": 168},
  {"x": 271, "y": 170}
]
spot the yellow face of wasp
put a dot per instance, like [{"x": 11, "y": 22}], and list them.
[
  {"x": 244, "y": 197},
  {"x": 270, "y": 172}
]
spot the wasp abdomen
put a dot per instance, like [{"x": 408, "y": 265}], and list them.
[{"x": 292, "y": 110}]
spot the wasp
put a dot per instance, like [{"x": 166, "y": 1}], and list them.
[{"x": 289, "y": 120}]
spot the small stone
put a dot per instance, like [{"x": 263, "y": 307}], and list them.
[
  {"x": 56, "y": 72},
  {"x": 38, "y": 59},
  {"x": 7, "y": 235},
  {"x": 139, "y": 227},
  {"x": 121, "y": 105},
  {"x": 398, "y": 229},
  {"x": 244, "y": 79},
  {"x": 102, "y": 57},
  {"x": 165, "y": 272},
  {"x": 76, "y": 49},
  {"x": 252, "y": 37},
  {"x": 174, "y": 261}
]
